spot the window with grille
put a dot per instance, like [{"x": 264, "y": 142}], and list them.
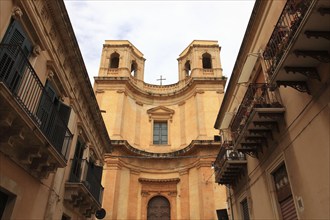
[
  {"x": 245, "y": 210},
  {"x": 160, "y": 132}
]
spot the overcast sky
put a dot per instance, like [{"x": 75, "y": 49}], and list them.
[{"x": 161, "y": 30}]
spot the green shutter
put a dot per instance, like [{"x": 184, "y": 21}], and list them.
[{"x": 12, "y": 61}]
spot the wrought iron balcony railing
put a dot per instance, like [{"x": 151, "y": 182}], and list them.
[
  {"x": 89, "y": 175},
  {"x": 229, "y": 165},
  {"x": 258, "y": 95},
  {"x": 20, "y": 78},
  {"x": 286, "y": 27}
]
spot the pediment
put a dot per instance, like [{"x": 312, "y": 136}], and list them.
[{"x": 160, "y": 113}]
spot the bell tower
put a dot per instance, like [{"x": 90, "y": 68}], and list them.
[
  {"x": 120, "y": 58},
  {"x": 200, "y": 59}
]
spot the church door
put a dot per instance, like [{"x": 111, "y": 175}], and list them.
[{"x": 159, "y": 209}]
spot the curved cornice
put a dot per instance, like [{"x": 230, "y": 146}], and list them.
[
  {"x": 150, "y": 91},
  {"x": 182, "y": 152}
]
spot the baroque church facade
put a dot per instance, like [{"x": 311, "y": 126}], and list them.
[{"x": 162, "y": 136}]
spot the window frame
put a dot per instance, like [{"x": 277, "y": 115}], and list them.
[
  {"x": 160, "y": 133},
  {"x": 160, "y": 114}
]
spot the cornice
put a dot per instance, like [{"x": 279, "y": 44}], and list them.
[
  {"x": 171, "y": 180},
  {"x": 160, "y": 92},
  {"x": 194, "y": 144}
]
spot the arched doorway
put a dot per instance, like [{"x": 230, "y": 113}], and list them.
[{"x": 159, "y": 209}]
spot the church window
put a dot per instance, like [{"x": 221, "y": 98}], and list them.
[
  {"x": 134, "y": 68},
  {"x": 187, "y": 68},
  {"x": 160, "y": 132},
  {"x": 207, "y": 62},
  {"x": 114, "y": 60}
]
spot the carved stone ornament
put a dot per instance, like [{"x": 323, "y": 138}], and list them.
[
  {"x": 17, "y": 13},
  {"x": 50, "y": 75},
  {"x": 36, "y": 50}
]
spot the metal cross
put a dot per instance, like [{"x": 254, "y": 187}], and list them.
[{"x": 161, "y": 79}]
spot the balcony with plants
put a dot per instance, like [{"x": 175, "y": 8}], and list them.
[
  {"x": 33, "y": 127},
  {"x": 257, "y": 119},
  {"x": 83, "y": 190},
  {"x": 299, "y": 44}
]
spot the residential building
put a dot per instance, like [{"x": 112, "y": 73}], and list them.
[
  {"x": 162, "y": 135},
  {"x": 274, "y": 118},
  {"x": 52, "y": 135}
]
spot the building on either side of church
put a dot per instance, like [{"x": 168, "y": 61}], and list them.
[
  {"x": 162, "y": 135},
  {"x": 52, "y": 135},
  {"x": 275, "y": 116}
]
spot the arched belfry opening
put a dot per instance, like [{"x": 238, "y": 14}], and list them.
[
  {"x": 187, "y": 68},
  {"x": 159, "y": 208},
  {"x": 207, "y": 61},
  {"x": 134, "y": 68},
  {"x": 114, "y": 60}
]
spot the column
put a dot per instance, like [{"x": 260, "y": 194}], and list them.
[
  {"x": 111, "y": 184},
  {"x": 200, "y": 118},
  {"x": 184, "y": 194},
  {"x": 138, "y": 123},
  {"x": 182, "y": 123},
  {"x": 206, "y": 192},
  {"x": 133, "y": 194},
  {"x": 117, "y": 131}
]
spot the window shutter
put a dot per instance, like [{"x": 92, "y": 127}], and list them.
[
  {"x": 64, "y": 112},
  {"x": 12, "y": 62}
]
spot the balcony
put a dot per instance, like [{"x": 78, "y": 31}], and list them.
[
  {"x": 299, "y": 44},
  {"x": 37, "y": 141},
  {"x": 83, "y": 190},
  {"x": 229, "y": 166},
  {"x": 256, "y": 120}
]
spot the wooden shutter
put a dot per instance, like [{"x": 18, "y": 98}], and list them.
[
  {"x": 46, "y": 107},
  {"x": 12, "y": 61},
  {"x": 288, "y": 209}
]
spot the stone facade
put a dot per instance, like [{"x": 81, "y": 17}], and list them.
[
  {"x": 274, "y": 118},
  {"x": 177, "y": 169},
  {"x": 52, "y": 135}
]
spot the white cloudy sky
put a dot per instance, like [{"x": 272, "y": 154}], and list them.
[{"x": 161, "y": 30}]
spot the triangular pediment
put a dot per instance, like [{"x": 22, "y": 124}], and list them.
[{"x": 160, "y": 112}]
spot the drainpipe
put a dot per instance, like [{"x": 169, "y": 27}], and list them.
[{"x": 230, "y": 203}]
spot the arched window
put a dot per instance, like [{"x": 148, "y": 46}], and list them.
[
  {"x": 133, "y": 68},
  {"x": 114, "y": 60},
  {"x": 187, "y": 68},
  {"x": 207, "y": 62},
  {"x": 159, "y": 209}
]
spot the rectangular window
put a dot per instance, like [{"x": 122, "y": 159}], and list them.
[
  {"x": 284, "y": 194},
  {"x": 245, "y": 210},
  {"x": 160, "y": 132}
]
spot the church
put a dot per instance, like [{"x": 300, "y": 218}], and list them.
[{"x": 162, "y": 136}]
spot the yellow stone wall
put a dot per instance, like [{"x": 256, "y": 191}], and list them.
[{"x": 190, "y": 107}]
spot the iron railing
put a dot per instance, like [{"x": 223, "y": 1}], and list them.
[
  {"x": 226, "y": 154},
  {"x": 89, "y": 175},
  {"x": 19, "y": 77},
  {"x": 286, "y": 27},
  {"x": 258, "y": 95}
]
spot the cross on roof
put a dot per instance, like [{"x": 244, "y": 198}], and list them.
[{"x": 161, "y": 79}]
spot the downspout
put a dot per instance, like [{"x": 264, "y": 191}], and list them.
[{"x": 230, "y": 204}]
